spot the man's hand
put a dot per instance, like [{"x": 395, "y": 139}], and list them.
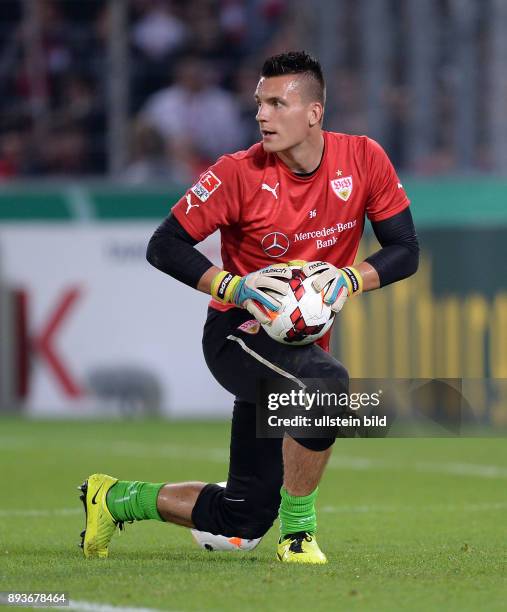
[
  {"x": 250, "y": 291},
  {"x": 338, "y": 283}
]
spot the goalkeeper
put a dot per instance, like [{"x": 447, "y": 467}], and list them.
[{"x": 302, "y": 193}]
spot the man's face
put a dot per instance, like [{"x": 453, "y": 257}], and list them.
[{"x": 284, "y": 112}]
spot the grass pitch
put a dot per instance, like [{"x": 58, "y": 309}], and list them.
[{"x": 415, "y": 524}]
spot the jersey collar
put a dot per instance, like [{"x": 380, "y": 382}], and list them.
[{"x": 305, "y": 177}]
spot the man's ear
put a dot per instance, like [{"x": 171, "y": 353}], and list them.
[{"x": 315, "y": 114}]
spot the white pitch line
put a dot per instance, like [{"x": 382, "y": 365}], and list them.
[
  {"x": 218, "y": 455},
  {"x": 481, "y": 507},
  {"x": 463, "y": 469},
  {"x": 356, "y": 463},
  {"x": 88, "y": 606},
  {"x": 4, "y": 513},
  {"x": 356, "y": 509},
  {"x": 454, "y": 468},
  {"x": 221, "y": 455}
]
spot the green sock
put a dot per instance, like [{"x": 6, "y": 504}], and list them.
[
  {"x": 297, "y": 513},
  {"x": 133, "y": 500}
]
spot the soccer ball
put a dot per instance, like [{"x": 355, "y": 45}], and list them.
[
  {"x": 208, "y": 541},
  {"x": 303, "y": 316}
]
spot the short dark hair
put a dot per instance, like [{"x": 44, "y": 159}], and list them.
[{"x": 298, "y": 62}]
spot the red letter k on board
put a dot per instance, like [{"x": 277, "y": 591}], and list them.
[{"x": 43, "y": 343}]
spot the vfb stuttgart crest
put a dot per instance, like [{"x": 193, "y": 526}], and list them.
[{"x": 342, "y": 187}]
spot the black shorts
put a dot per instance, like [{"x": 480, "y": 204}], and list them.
[{"x": 237, "y": 359}]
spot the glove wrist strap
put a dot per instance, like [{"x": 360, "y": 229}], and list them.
[
  {"x": 223, "y": 286},
  {"x": 354, "y": 280}
]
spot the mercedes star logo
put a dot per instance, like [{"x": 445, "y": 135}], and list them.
[{"x": 275, "y": 244}]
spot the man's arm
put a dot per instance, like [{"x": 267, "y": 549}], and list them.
[
  {"x": 172, "y": 250},
  {"x": 399, "y": 256},
  {"x": 397, "y": 259},
  {"x": 369, "y": 275},
  {"x": 204, "y": 283},
  {"x": 390, "y": 217}
]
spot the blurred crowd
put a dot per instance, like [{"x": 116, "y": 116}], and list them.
[
  {"x": 193, "y": 67},
  {"x": 192, "y": 70}
]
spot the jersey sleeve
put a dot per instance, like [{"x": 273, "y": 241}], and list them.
[
  {"x": 386, "y": 194},
  {"x": 212, "y": 202}
]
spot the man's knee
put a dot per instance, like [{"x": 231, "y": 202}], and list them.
[
  {"x": 335, "y": 370},
  {"x": 324, "y": 367},
  {"x": 316, "y": 444},
  {"x": 328, "y": 386},
  {"x": 243, "y": 518},
  {"x": 253, "y": 517},
  {"x": 255, "y": 525}
]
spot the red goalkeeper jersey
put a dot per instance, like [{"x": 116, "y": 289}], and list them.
[{"x": 268, "y": 214}]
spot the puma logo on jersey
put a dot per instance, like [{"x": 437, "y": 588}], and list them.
[
  {"x": 190, "y": 205},
  {"x": 271, "y": 189}
]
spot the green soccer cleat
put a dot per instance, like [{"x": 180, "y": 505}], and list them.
[
  {"x": 300, "y": 547},
  {"x": 100, "y": 525}
]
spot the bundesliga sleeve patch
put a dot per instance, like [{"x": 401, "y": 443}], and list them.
[{"x": 206, "y": 185}]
